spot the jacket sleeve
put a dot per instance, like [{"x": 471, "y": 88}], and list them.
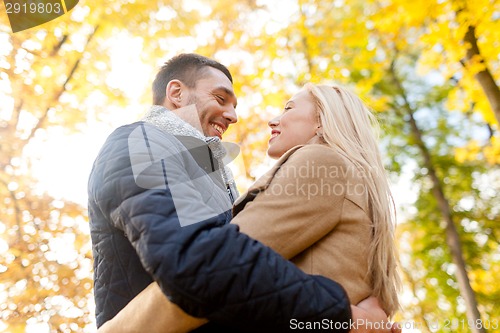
[
  {"x": 301, "y": 204},
  {"x": 208, "y": 269}
]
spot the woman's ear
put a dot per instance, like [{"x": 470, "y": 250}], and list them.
[
  {"x": 174, "y": 93},
  {"x": 319, "y": 131},
  {"x": 318, "y": 138}
]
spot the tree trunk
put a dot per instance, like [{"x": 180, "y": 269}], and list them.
[
  {"x": 484, "y": 77},
  {"x": 452, "y": 236}
]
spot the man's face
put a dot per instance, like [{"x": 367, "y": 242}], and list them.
[{"x": 215, "y": 101}]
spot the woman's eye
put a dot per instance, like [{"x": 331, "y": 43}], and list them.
[{"x": 287, "y": 108}]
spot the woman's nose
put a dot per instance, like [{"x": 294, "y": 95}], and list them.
[{"x": 274, "y": 122}]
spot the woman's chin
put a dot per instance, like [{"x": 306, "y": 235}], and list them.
[{"x": 274, "y": 153}]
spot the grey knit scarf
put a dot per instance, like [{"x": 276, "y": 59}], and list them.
[{"x": 169, "y": 122}]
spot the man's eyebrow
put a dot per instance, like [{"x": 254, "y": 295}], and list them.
[{"x": 228, "y": 92}]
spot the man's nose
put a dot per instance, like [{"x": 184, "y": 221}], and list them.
[{"x": 230, "y": 115}]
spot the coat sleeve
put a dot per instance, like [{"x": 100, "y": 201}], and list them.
[
  {"x": 301, "y": 204},
  {"x": 209, "y": 269}
]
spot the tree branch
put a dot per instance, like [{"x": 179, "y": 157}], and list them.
[
  {"x": 59, "y": 45},
  {"x": 58, "y": 94}
]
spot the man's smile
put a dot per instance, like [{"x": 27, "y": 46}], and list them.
[{"x": 219, "y": 128}]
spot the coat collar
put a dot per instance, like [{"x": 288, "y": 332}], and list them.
[{"x": 262, "y": 183}]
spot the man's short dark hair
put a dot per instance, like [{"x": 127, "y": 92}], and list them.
[{"x": 187, "y": 68}]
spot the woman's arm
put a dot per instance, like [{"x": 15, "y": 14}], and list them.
[{"x": 151, "y": 311}]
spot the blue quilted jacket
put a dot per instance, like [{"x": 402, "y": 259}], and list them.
[{"x": 141, "y": 231}]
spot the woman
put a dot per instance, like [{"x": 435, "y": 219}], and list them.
[{"x": 326, "y": 204}]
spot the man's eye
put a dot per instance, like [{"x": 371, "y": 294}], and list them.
[{"x": 220, "y": 99}]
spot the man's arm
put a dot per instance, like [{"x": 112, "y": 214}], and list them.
[
  {"x": 208, "y": 270},
  {"x": 152, "y": 310}
]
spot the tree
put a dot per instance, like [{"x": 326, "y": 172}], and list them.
[{"x": 39, "y": 284}]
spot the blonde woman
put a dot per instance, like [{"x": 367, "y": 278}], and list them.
[{"x": 325, "y": 205}]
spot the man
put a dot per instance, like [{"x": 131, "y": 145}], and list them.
[{"x": 159, "y": 207}]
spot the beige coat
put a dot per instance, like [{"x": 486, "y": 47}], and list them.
[{"x": 312, "y": 208}]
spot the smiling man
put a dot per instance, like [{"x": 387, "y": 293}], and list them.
[
  {"x": 206, "y": 84},
  {"x": 159, "y": 207}
]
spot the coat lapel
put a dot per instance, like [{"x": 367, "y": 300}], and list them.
[{"x": 262, "y": 183}]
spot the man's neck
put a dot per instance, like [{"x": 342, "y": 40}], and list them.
[{"x": 189, "y": 114}]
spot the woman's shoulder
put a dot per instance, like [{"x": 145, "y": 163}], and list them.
[{"x": 317, "y": 153}]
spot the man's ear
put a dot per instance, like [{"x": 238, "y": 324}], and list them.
[{"x": 174, "y": 92}]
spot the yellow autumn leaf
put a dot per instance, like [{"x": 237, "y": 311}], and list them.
[
  {"x": 467, "y": 153},
  {"x": 492, "y": 151}
]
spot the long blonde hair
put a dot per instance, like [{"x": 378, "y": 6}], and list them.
[{"x": 351, "y": 129}]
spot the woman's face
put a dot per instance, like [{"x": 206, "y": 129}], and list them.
[{"x": 297, "y": 125}]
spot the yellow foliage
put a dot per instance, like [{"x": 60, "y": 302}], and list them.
[
  {"x": 468, "y": 153},
  {"x": 473, "y": 150},
  {"x": 468, "y": 96},
  {"x": 492, "y": 151},
  {"x": 484, "y": 108},
  {"x": 379, "y": 104},
  {"x": 485, "y": 281},
  {"x": 429, "y": 61},
  {"x": 476, "y": 65}
]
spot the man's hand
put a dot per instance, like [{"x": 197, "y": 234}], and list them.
[{"x": 368, "y": 317}]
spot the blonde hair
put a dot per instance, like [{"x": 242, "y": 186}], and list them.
[{"x": 351, "y": 129}]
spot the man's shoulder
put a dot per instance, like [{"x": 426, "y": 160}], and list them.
[
  {"x": 143, "y": 127},
  {"x": 146, "y": 133}
]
